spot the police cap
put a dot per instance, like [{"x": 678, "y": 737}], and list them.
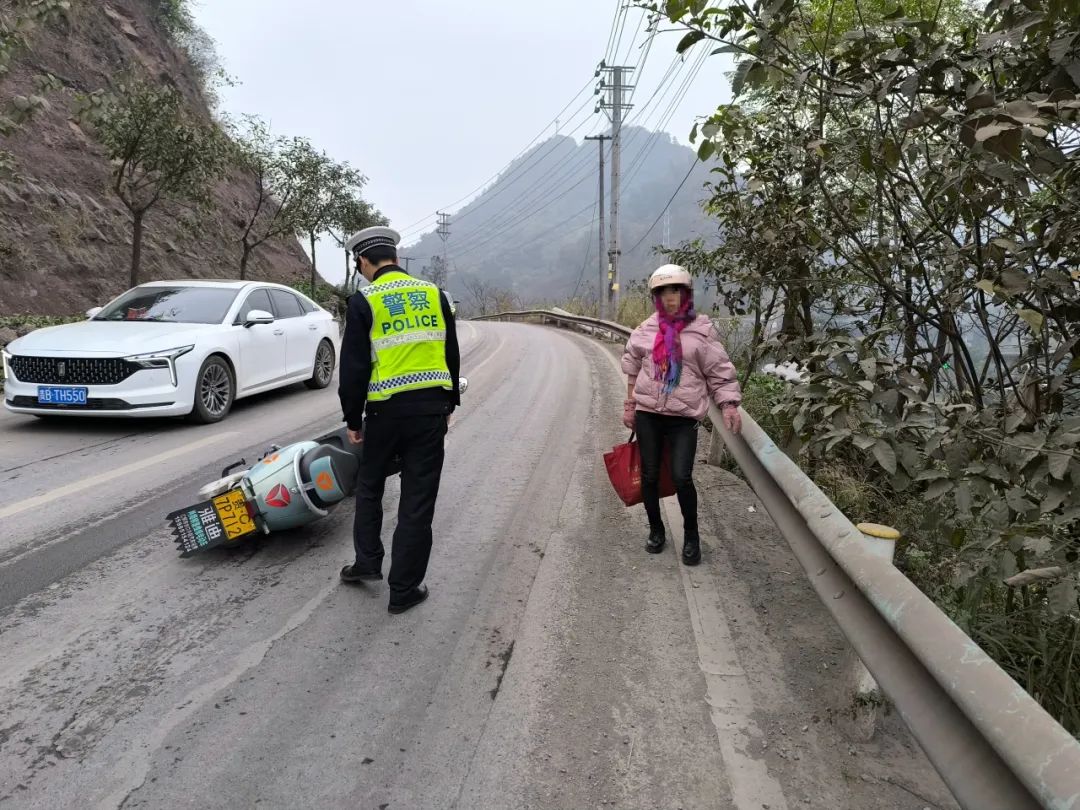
[{"x": 378, "y": 236}]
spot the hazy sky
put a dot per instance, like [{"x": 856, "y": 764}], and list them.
[{"x": 431, "y": 99}]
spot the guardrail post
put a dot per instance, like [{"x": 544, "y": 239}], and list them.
[
  {"x": 717, "y": 449},
  {"x": 862, "y": 702}
]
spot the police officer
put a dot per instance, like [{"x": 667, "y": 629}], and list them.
[{"x": 400, "y": 364}]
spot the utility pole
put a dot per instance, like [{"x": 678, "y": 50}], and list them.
[
  {"x": 604, "y": 281},
  {"x": 617, "y": 106},
  {"x": 444, "y": 234},
  {"x": 407, "y": 260}
]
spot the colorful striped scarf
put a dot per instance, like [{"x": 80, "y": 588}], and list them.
[{"x": 667, "y": 348}]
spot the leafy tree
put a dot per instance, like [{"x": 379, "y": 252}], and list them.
[
  {"x": 325, "y": 186},
  {"x": 903, "y": 183},
  {"x": 352, "y": 214},
  {"x": 487, "y": 298},
  {"x": 175, "y": 16},
  {"x": 436, "y": 272},
  {"x": 271, "y": 167},
  {"x": 157, "y": 149}
]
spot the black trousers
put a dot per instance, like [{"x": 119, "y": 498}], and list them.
[
  {"x": 419, "y": 441},
  {"x": 680, "y": 435}
]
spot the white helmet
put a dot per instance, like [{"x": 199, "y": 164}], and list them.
[{"x": 670, "y": 274}]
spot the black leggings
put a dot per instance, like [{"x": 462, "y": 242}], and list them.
[{"x": 680, "y": 434}]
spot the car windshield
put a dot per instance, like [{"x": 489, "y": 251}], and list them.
[{"x": 170, "y": 305}]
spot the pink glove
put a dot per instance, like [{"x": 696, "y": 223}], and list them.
[
  {"x": 732, "y": 417},
  {"x": 628, "y": 414}
]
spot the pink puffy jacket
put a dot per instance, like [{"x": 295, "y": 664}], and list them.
[{"x": 707, "y": 371}]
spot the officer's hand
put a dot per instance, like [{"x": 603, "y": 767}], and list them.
[{"x": 356, "y": 436}]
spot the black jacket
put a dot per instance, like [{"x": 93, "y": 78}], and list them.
[{"x": 355, "y": 370}]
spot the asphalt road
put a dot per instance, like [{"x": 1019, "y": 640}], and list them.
[{"x": 555, "y": 665}]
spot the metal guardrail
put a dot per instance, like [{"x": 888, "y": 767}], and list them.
[{"x": 993, "y": 744}]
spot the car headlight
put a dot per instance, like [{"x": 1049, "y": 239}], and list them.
[
  {"x": 7, "y": 364},
  {"x": 166, "y": 358}
]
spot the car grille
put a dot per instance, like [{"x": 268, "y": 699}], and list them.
[
  {"x": 72, "y": 370},
  {"x": 92, "y": 404}
]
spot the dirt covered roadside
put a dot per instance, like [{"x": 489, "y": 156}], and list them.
[
  {"x": 795, "y": 658},
  {"x": 787, "y": 650}
]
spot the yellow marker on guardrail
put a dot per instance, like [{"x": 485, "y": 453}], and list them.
[{"x": 880, "y": 540}]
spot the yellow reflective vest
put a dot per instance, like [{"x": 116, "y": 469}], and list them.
[{"x": 408, "y": 336}]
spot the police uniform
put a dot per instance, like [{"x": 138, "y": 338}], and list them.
[{"x": 398, "y": 383}]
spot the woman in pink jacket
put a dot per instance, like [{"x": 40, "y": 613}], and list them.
[{"x": 675, "y": 364}]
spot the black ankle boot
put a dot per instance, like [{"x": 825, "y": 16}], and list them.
[
  {"x": 657, "y": 537},
  {"x": 691, "y": 550}
]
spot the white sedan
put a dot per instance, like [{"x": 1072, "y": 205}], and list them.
[{"x": 173, "y": 348}]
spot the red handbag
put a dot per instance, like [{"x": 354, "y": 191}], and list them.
[{"x": 624, "y": 469}]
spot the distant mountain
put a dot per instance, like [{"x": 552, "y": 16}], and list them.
[{"x": 529, "y": 232}]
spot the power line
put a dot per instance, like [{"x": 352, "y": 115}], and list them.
[
  {"x": 542, "y": 201},
  {"x": 538, "y": 195},
  {"x": 662, "y": 89},
  {"x": 618, "y": 24},
  {"x": 536, "y": 159},
  {"x": 540, "y": 198},
  {"x": 645, "y": 18},
  {"x": 666, "y": 207},
  {"x": 532, "y": 201},
  {"x": 531, "y": 143},
  {"x": 517, "y": 157},
  {"x": 669, "y": 77},
  {"x": 650, "y": 35},
  {"x": 665, "y": 119},
  {"x": 622, "y": 31},
  {"x": 521, "y": 218},
  {"x": 679, "y": 60},
  {"x": 546, "y": 232},
  {"x": 588, "y": 252}
]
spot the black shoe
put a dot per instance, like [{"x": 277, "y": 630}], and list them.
[
  {"x": 657, "y": 538},
  {"x": 410, "y": 600},
  {"x": 691, "y": 550},
  {"x": 351, "y": 573}
]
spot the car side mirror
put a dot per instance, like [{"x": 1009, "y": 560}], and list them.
[
  {"x": 258, "y": 316},
  {"x": 93, "y": 311}
]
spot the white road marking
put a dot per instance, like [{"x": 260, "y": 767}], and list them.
[
  {"x": 489, "y": 358},
  {"x": 730, "y": 699},
  {"x": 111, "y": 475}
]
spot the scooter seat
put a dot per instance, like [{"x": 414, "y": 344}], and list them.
[{"x": 332, "y": 471}]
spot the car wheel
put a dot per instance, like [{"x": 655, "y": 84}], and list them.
[
  {"x": 323, "y": 370},
  {"x": 215, "y": 390}
]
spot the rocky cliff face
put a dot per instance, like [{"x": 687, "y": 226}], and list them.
[{"x": 65, "y": 239}]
